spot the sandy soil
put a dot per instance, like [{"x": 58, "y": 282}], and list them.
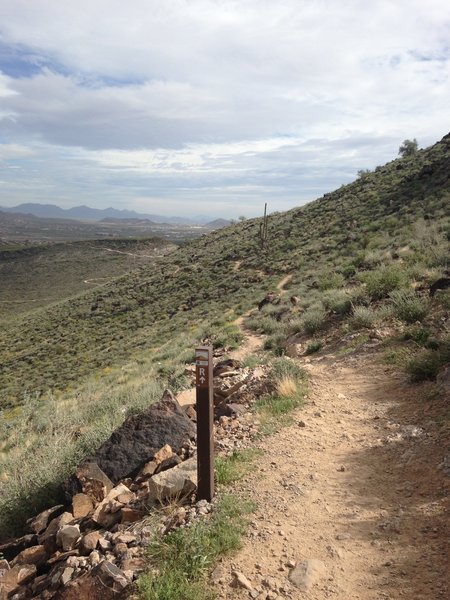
[{"x": 355, "y": 483}]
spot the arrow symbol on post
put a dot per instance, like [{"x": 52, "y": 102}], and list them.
[{"x": 202, "y": 380}]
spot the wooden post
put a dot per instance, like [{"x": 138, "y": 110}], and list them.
[{"x": 205, "y": 418}]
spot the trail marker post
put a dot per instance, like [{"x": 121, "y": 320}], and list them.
[{"x": 205, "y": 416}]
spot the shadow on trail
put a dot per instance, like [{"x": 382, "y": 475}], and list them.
[{"x": 400, "y": 481}]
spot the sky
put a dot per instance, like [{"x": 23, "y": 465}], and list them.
[{"x": 213, "y": 107}]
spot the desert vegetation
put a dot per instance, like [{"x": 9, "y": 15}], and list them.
[{"x": 361, "y": 262}]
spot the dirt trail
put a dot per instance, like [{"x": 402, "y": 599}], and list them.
[
  {"x": 354, "y": 483},
  {"x": 252, "y": 341}
]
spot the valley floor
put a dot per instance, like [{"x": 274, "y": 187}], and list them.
[{"x": 356, "y": 484}]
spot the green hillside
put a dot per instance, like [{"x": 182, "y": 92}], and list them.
[
  {"x": 36, "y": 276},
  {"x": 229, "y": 270}
]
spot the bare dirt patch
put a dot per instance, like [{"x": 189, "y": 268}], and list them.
[{"x": 355, "y": 483}]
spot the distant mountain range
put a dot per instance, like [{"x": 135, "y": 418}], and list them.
[{"x": 85, "y": 213}]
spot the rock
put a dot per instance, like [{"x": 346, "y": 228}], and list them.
[
  {"x": 12, "y": 579},
  {"x": 11, "y": 549},
  {"x": 178, "y": 482},
  {"x": 131, "y": 515},
  {"x": 104, "y": 582},
  {"x": 307, "y": 573},
  {"x": 102, "y": 514},
  {"x": 66, "y": 575},
  {"x": 226, "y": 366},
  {"x": 82, "y": 505},
  {"x": 191, "y": 413},
  {"x": 165, "y": 453},
  {"x": 240, "y": 580},
  {"x": 89, "y": 542},
  {"x": 123, "y": 538},
  {"x": 4, "y": 565},
  {"x": 104, "y": 544},
  {"x": 169, "y": 463},
  {"x": 71, "y": 557},
  {"x": 271, "y": 298},
  {"x": 293, "y": 350},
  {"x": 147, "y": 471},
  {"x": 35, "y": 555},
  {"x": 94, "y": 558},
  {"x": 343, "y": 536},
  {"x": 68, "y": 536},
  {"x": 142, "y": 436},
  {"x": 120, "y": 549},
  {"x": 39, "y": 523},
  {"x": 301, "y": 424},
  {"x": 54, "y": 526},
  {"x": 89, "y": 479},
  {"x": 136, "y": 565}
]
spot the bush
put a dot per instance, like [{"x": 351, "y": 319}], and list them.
[
  {"x": 314, "y": 320},
  {"x": 331, "y": 280},
  {"x": 363, "y": 316},
  {"x": 426, "y": 364},
  {"x": 338, "y": 301},
  {"x": 408, "y": 306},
  {"x": 418, "y": 335},
  {"x": 314, "y": 346},
  {"x": 381, "y": 282}
]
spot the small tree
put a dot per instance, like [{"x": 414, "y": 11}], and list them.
[{"x": 408, "y": 148}]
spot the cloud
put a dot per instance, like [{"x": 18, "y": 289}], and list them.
[{"x": 201, "y": 96}]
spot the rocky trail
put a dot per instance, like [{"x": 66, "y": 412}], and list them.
[{"x": 353, "y": 497}]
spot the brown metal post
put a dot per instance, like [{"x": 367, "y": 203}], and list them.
[{"x": 205, "y": 420}]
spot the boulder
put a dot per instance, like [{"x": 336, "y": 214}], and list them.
[
  {"x": 11, "y": 549},
  {"x": 107, "y": 512},
  {"x": 131, "y": 515},
  {"x": 82, "y": 505},
  {"x": 89, "y": 479},
  {"x": 89, "y": 542},
  {"x": 104, "y": 582},
  {"x": 34, "y": 555},
  {"x": 39, "y": 523},
  {"x": 177, "y": 482},
  {"x": 141, "y": 436},
  {"x": 68, "y": 536},
  {"x": 13, "y": 578}
]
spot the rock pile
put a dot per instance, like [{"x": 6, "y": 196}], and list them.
[
  {"x": 93, "y": 546},
  {"x": 89, "y": 548}
]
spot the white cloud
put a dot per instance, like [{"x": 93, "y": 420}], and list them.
[{"x": 179, "y": 93}]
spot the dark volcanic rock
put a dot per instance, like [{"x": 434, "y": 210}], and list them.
[{"x": 137, "y": 440}]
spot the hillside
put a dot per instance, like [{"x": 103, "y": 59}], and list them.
[
  {"x": 229, "y": 270},
  {"x": 36, "y": 276}
]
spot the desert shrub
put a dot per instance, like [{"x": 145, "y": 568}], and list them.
[
  {"x": 265, "y": 324},
  {"x": 338, "y": 301},
  {"x": 384, "y": 280},
  {"x": 427, "y": 363},
  {"x": 314, "y": 346},
  {"x": 363, "y": 316},
  {"x": 418, "y": 335},
  {"x": 424, "y": 365},
  {"x": 276, "y": 343},
  {"x": 331, "y": 280},
  {"x": 285, "y": 367},
  {"x": 314, "y": 320},
  {"x": 408, "y": 306}
]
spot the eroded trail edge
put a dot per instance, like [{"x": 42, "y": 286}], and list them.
[{"x": 357, "y": 483}]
